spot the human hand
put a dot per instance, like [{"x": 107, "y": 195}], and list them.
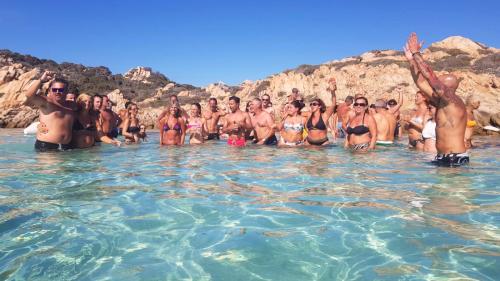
[
  {"x": 332, "y": 84},
  {"x": 116, "y": 143},
  {"x": 407, "y": 52},
  {"x": 47, "y": 76},
  {"x": 413, "y": 45}
]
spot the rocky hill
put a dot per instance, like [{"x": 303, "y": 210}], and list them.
[{"x": 375, "y": 74}]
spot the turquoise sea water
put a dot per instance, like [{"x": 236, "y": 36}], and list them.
[{"x": 212, "y": 212}]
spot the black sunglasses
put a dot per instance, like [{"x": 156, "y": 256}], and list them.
[
  {"x": 359, "y": 104},
  {"x": 57, "y": 90},
  {"x": 313, "y": 104}
]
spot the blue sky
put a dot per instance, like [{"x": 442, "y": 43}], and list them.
[{"x": 200, "y": 42}]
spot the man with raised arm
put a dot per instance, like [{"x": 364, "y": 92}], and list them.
[
  {"x": 56, "y": 114},
  {"x": 236, "y": 123},
  {"x": 263, "y": 124},
  {"x": 451, "y": 116},
  {"x": 394, "y": 107},
  {"x": 212, "y": 116}
]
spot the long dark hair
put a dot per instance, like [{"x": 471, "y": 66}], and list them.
[
  {"x": 298, "y": 104},
  {"x": 322, "y": 105}
]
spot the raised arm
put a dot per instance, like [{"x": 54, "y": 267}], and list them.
[
  {"x": 413, "y": 46},
  {"x": 333, "y": 89},
  {"x": 395, "y": 109},
  {"x": 31, "y": 97}
]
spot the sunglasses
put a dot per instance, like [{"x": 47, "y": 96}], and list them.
[
  {"x": 392, "y": 104},
  {"x": 265, "y": 99},
  {"x": 57, "y": 90},
  {"x": 313, "y": 104},
  {"x": 359, "y": 104}
]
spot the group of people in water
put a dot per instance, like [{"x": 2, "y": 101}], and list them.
[{"x": 441, "y": 122}]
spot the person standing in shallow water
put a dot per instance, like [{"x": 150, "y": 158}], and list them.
[
  {"x": 451, "y": 116},
  {"x": 212, "y": 116},
  {"x": 361, "y": 129},
  {"x": 196, "y": 127},
  {"x": 56, "y": 114},
  {"x": 415, "y": 122},
  {"x": 471, "y": 103},
  {"x": 386, "y": 123},
  {"x": 263, "y": 124},
  {"x": 173, "y": 127},
  {"x": 236, "y": 123}
]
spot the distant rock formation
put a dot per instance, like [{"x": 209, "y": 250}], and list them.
[{"x": 374, "y": 74}]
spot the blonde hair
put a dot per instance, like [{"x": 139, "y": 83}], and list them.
[{"x": 82, "y": 97}]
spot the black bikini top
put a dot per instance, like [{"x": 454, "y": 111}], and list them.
[
  {"x": 358, "y": 130},
  {"x": 319, "y": 126}
]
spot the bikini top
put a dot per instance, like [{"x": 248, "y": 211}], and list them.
[
  {"x": 319, "y": 126},
  {"x": 294, "y": 127},
  {"x": 177, "y": 127},
  {"x": 358, "y": 130},
  {"x": 77, "y": 126}
]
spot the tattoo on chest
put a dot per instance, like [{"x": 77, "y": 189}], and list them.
[{"x": 42, "y": 128}]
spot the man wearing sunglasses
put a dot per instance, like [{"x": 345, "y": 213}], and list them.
[
  {"x": 267, "y": 105},
  {"x": 451, "y": 116},
  {"x": 56, "y": 114}
]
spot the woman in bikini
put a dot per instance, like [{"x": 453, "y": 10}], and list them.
[
  {"x": 172, "y": 127},
  {"x": 196, "y": 127},
  {"x": 471, "y": 103},
  {"x": 317, "y": 119},
  {"x": 131, "y": 125},
  {"x": 429, "y": 130},
  {"x": 361, "y": 128},
  {"x": 415, "y": 122},
  {"x": 292, "y": 125}
]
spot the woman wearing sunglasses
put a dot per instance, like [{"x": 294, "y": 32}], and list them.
[
  {"x": 173, "y": 127},
  {"x": 131, "y": 124},
  {"x": 317, "y": 121},
  {"x": 361, "y": 128}
]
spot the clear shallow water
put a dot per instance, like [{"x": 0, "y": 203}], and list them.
[{"x": 213, "y": 212}]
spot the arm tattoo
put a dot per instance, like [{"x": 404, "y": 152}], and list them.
[{"x": 429, "y": 74}]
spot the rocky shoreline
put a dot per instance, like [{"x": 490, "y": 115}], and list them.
[{"x": 375, "y": 74}]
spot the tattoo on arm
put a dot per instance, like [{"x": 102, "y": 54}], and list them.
[{"x": 429, "y": 74}]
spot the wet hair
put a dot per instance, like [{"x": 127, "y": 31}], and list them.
[
  {"x": 349, "y": 99},
  {"x": 322, "y": 105},
  {"x": 298, "y": 104},
  {"x": 235, "y": 98}
]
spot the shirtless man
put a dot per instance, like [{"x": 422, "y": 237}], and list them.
[
  {"x": 56, "y": 114},
  {"x": 343, "y": 115},
  {"x": 108, "y": 119},
  {"x": 212, "y": 116},
  {"x": 263, "y": 124},
  {"x": 236, "y": 123},
  {"x": 451, "y": 116},
  {"x": 267, "y": 105},
  {"x": 386, "y": 123},
  {"x": 393, "y": 107}
]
